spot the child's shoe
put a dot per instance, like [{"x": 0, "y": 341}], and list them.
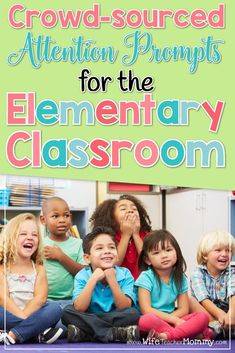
[
  {"x": 6, "y": 338},
  {"x": 75, "y": 334},
  {"x": 125, "y": 334},
  {"x": 50, "y": 335},
  {"x": 216, "y": 327}
]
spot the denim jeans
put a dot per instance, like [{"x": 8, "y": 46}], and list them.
[
  {"x": 99, "y": 326},
  {"x": 40, "y": 320},
  {"x": 63, "y": 303}
]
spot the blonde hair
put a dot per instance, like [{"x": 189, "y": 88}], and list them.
[
  {"x": 211, "y": 240},
  {"x": 9, "y": 236}
]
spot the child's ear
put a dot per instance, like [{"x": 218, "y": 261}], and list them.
[
  {"x": 147, "y": 261},
  {"x": 42, "y": 220},
  {"x": 87, "y": 258}
]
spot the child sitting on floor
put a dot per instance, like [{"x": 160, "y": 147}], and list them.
[
  {"x": 103, "y": 295},
  {"x": 160, "y": 285},
  {"x": 24, "y": 313},
  {"x": 213, "y": 281}
]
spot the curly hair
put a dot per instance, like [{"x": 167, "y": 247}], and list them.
[
  {"x": 9, "y": 236},
  {"x": 104, "y": 214}
]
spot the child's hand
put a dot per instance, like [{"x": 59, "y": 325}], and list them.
[
  {"x": 222, "y": 318},
  {"x": 52, "y": 252},
  {"x": 126, "y": 226},
  {"x": 98, "y": 274},
  {"x": 228, "y": 321},
  {"x": 136, "y": 224},
  {"x": 110, "y": 274},
  {"x": 178, "y": 322}
]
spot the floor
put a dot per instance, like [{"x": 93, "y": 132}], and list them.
[{"x": 63, "y": 347}]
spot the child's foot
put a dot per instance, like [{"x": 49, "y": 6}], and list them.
[
  {"x": 6, "y": 338},
  {"x": 216, "y": 328},
  {"x": 50, "y": 335},
  {"x": 154, "y": 334},
  {"x": 162, "y": 336},
  {"x": 125, "y": 334},
  {"x": 75, "y": 334}
]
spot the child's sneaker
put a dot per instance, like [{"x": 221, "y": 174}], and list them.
[
  {"x": 5, "y": 338},
  {"x": 75, "y": 334},
  {"x": 50, "y": 335},
  {"x": 125, "y": 334},
  {"x": 216, "y": 327}
]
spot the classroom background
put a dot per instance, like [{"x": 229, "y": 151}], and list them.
[{"x": 187, "y": 213}]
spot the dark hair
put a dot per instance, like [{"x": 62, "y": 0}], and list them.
[
  {"x": 90, "y": 237},
  {"x": 104, "y": 214},
  {"x": 151, "y": 242}
]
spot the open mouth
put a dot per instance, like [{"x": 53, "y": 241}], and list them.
[
  {"x": 28, "y": 246},
  {"x": 62, "y": 229},
  {"x": 107, "y": 259}
]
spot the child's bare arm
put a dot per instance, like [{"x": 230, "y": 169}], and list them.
[
  {"x": 40, "y": 293},
  {"x": 146, "y": 308},
  {"x": 5, "y": 300},
  {"x": 82, "y": 302},
  {"x": 121, "y": 300},
  {"x": 230, "y": 316},
  {"x": 55, "y": 253},
  {"x": 182, "y": 305},
  {"x": 127, "y": 231},
  {"x": 216, "y": 312}
]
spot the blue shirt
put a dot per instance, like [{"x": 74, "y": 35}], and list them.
[
  {"x": 102, "y": 298},
  {"x": 163, "y": 296},
  {"x": 205, "y": 286}
]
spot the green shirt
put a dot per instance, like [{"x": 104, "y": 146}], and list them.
[{"x": 60, "y": 280}]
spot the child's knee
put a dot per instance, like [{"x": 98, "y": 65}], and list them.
[
  {"x": 146, "y": 322},
  {"x": 203, "y": 317}
]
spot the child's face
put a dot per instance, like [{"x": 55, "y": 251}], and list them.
[
  {"x": 162, "y": 259},
  {"x": 57, "y": 218},
  {"x": 123, "y": 208},
  {"x": 103, "y": 253},
  {"x": 27, "y": 241},
  {"x": 218, "y": 259}
]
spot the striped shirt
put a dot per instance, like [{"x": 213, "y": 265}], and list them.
[{"x": 218, "y": 290}]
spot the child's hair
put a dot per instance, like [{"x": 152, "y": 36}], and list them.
[
  {"x": 90, "y": 237},
  {"x": 151, "y": 242},
  {"x": 104, "y": 214},
  {"x": 50, "y": 200},
  {"x": 211, "y": 240},
  {"x": 9, "y": 238}
]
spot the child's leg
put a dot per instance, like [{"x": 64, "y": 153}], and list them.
[
  {"x": 121, "y": 318},
  {"x": 194, "y": 324},
  {"x": 24, "y": 329},
  {"x": 99, "y": 326},
  {"x": 148, "y": 322}
]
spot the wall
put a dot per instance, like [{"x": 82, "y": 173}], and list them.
[{"x": 152, "y": 202}]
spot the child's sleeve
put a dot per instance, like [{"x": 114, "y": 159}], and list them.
[
  {"x": 127, "y": 286},
  {"x": 198, "y": 285},
  {"x": 79, "y": 284},
  {"x": 184, "y": 286},
  {"x": 80, "y": 258},
  {"x": 231, "y": 282},
  {"x": 145, "y": 280}
]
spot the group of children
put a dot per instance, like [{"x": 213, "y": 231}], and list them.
[{"x": 122, "y": 282}]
